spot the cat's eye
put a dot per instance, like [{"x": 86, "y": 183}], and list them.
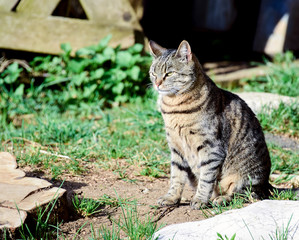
[
  {"x": 169, "y": 74},
  {"x": 152, "y": 74}
]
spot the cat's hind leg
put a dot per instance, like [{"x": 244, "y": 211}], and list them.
[{"x": 226, "y": 188}]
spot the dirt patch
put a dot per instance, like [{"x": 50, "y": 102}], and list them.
[{"x": 144, "y": 190}]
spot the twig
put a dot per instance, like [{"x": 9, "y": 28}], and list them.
[
  {"x": 6, "y": 63},
  {"x": 167, "y": 210},
  {"x": 54, "y": 154}
]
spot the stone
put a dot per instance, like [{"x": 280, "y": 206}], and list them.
[
  {"x": 260, "y": 220},
  {"x": 256, "y": 100}
]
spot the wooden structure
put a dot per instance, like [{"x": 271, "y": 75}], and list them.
[
  {"x": 29, "y": 25},
  {"x": 20, "y": 195},
  {"x": 277, "y": 28}
]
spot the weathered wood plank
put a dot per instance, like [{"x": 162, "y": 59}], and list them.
[
  {"x": 7, "y": 5},
  {"x": 116, "y": 12},
  {"x": 37, "y": 7},
  {"x": 36, "y": 36}
]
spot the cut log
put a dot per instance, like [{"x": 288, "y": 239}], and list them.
[
  {"x": 11, "y": 218},
  {"x": 20, "y": 194}
]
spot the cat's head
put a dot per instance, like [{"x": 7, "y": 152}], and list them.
[{"x": 172, "y": 71}]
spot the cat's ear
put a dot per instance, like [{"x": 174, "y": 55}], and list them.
[
  {"x": 155, "y": 49},
  {"x": 184, "y": 51}
]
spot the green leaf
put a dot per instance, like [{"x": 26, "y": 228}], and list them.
[
  {"x": 109, "y": 53},
  {"x": 79, "y": 78},
  {"x": 76, "y": 65},
  {"x": 20, "y": 90},
  {"x": 136, "y": 48},
  {"x": 13, "y": 72},
  {"x": 13, "y": 68},
  {"x": 119, "y": 75},
  {"x": 99, "y": 59},
  {"x": 123, "y": 59},
  {"x": 88, "y": 90},
  {"x": 118, "y": 88},
  {"x": 66, "y": 48},
  {"x": 121, "y": 98},
  {"x": 104, "y": 42},
  {"x": 85, "y": 52},
  {"x": 97, "y": 74},
  {"x": 134, "y": 73}
]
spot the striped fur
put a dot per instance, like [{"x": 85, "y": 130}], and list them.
[{"x": 216, "y": 142}]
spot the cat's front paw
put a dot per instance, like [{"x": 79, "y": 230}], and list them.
[
  {"x": 168, "y": 200},
  {"x": 197, "y": 204},
  {"x": 222, "y": 200}
]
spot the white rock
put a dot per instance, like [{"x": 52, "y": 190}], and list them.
[
  {"x": 259, "y": 220},
  {"x": 256, "y": 100}
]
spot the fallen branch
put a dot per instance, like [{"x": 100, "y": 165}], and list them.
[
  {"x": 233, "y": 76},
  {"x": 54, "y": 154}
]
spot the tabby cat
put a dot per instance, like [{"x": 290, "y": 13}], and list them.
[{"x": 216, "y": 142}]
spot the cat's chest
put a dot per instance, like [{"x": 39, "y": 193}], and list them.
[{"x": 183, "y": 132}]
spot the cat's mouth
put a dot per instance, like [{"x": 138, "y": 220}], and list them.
[{"x": 166, "y": 91}]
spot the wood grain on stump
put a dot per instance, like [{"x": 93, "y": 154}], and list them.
[{"x": 20, "y": 194}]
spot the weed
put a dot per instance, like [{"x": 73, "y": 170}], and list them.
[
  {"x": 97, "y": 75},
  {"x": 86, "y": 206},
  {"x": 288, "y": 194},
  {"x": 107, "y": 234},
  {"x": 220, "y": 237},
  {"x": 129, "y": 224},
  {"x": 281, "y": 233},
  {"x": 281, "y": 120},
  {"x": 283, "y": 161},
  {"x": 238, "y": 201},
  {"x": 283, "y": 78},
  {"x": 133, "y": 226}
]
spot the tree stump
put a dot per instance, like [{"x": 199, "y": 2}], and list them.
[{"x": 20, "y": 195}]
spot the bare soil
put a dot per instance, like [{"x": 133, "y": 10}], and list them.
[{"x": 144, "y": 190}]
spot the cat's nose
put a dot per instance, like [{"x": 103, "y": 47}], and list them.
[{"x": 158, "y": 82}]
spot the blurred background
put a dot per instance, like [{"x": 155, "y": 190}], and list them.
[{"x": 216, "y": 29}]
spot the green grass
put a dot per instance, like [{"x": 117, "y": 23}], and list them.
[
  {"x": 87, "y": 207},
  {"x": 284, "y": 195},
  {"x": 237, "y": 201},
  {"x": 130, "y": 224},
  {"x": 283, "y": 161},
  {"x": 282, "y": 120},
  {"x": 220, "y": 237},
  {"x": 282, "y": 79},
  {"x": 116, "y": 139}
]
